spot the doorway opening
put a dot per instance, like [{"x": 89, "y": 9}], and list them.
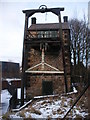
[{"x": 47, "y": 87}]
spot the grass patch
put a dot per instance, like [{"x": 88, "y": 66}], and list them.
[
  {"x": 33, "y": 110},
  {"x": 6, "y": 116},
  {"x": 22, "y": 114}
]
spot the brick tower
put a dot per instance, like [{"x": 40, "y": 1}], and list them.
[{"x": 46, "y": 55}]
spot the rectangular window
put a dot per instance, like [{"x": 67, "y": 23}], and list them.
[{"x": 47, "y": 34}]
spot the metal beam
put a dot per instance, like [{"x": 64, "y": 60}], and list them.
[
  {"x": 51, "y": 67},
  {"x": 42, "y": 40},
  {"x": 63, "y": 53},
  {"x": 34, "y": 66},
  {"x": 30, "y": 12},
  {"x": 45, "y": 72},
  {"x": 24, "y": 60}
]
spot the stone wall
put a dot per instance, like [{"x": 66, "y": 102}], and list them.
[
  {"x": 35, "y": 88},
  {"x": 35, "y": 84}
]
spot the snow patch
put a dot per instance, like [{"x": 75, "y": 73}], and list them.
[
  {"x": 52, "y": 107},
  {"x": 74, "y": 90},
  {"x": 5, "y": 97},
  {"x": 12, "y": 79},
  {"x": 15, "y": 116},
  {"x": 19, "y": 93}
]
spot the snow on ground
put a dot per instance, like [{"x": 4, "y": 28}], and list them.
[
  {"x": 12, "y": 79},
  {"x": 5, "y": 97},
  {"x": 51, "y": 108},
  {"x": 19, "y": 93},
  {"x": 74, "y": 90}
]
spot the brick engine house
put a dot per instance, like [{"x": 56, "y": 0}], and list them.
[{"x": 46, "y": 55}]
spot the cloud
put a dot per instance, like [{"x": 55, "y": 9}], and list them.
[
  {"x": 12, "y": 23},
  {"x": 40, "y": 1},
  {"x": 12, "y": 30}
]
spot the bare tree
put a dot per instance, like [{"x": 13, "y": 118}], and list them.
[
  {"x": 79, "y": 46},
  {"x": 79, "y": 41}
]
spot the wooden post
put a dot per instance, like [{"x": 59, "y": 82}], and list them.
[
  {"x": 24, "y": 60},
  {"x": 63, "y": 55}
]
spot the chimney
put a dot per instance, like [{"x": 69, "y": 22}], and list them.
[
  {"x": 33, "y": 20},
  {"x": 65, "y": 18}
]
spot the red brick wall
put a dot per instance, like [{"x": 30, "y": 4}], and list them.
[
  {"x": 4, "y": 84},
  {"x": 55, "y": 59},
  {"x": 35, "y": 88},
  {"x": 16, "y": 83}
]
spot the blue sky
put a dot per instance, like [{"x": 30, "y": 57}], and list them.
[{"x": 12, "y": 22}]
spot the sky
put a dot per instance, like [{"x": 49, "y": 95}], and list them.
[{"x": 12, "y": 22}]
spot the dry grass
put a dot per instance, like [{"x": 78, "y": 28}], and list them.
[
  {"x": 22, "y": 113},
  {"x": 59, "y": 111},
  {"x": 65, "y": 101},
  {"x": 33, "y": 110},
  {"x": 30, "y": 110},
  {"x": 6, "y": 116}
]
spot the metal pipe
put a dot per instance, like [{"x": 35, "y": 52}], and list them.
[
  {"x": 42, "y": 58},
  {"x": 46, "y": 72}
]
